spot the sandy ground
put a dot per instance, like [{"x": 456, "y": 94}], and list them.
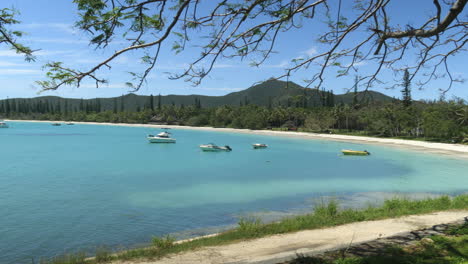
[
  {"x": 285, "y": 247},
  {"x": 455, "y": 150}
]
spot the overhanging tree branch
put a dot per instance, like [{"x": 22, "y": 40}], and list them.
[{"x": 232, "y": 29}]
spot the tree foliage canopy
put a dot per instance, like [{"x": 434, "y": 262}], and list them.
[
  {"x": 9, "y": 37},
  {"x": 226, "y": 29}
]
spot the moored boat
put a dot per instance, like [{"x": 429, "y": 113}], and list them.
[
  {"x": 3, "y": 124},
  {"x": 355, "y": 152},
  {"x": 259, "y": 146},
  {"x": 163, "y": 137},
  {"x": 214, "y": 148},
  {"x": 70, "y": 124},
  {"x": 56, "y": 124}
]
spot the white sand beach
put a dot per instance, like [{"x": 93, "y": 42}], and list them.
[{"x": 455, "y": 150}]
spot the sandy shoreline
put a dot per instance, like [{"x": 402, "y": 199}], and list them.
[{"x": 454, "y": 150}]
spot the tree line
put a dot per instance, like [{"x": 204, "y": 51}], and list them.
[{"x": 441, "y": 120}]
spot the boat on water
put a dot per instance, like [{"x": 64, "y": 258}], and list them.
[
  {"x": 163, "y": 137},
  {"x": 3, "y": 124},
  {"x": 214, "y": 148},
  {"x": 70, "y": 124},
  {"x": 56, "y": 124},
  {"x": 355, "y": 152},
  {"x": 259, "y": 146}
]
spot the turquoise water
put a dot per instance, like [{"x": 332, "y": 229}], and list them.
[{"x": 77, "y": 187}]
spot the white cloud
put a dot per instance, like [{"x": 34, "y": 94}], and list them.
[
  {"x": 310, "y": 52},
  {"x": 172, "y": 67},
  {"x": 223, "y": 66},
  {"x": 12, "y": 53},
  {"x": 9, "y": 53},
  {"x": 283, "y": 64},
  {"x": 59, "y": 40},
  {"x": 59, "y": 26},
  {"x": 357, "y": 64},
  {"x": 53, "y": 52},
  {"x": 12, "y": 64},
  {"x": 19, "y": 71},
  {"x": 88, "y": 61},
  {"x": 123, "y": 60},
  {"x": 104, "y": 86}
]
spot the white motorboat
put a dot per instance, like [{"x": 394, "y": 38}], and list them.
[
  {"x": 3, "y": 124},
  {"x": 213, "y": 147},
  {"x": 163, "y": 137},
  {"x": 259, "y": 146}
]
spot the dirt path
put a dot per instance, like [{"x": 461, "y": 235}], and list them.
[{"x": 280, "y": 248}]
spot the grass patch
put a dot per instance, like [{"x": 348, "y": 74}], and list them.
[{"x": 324, "y": 215}]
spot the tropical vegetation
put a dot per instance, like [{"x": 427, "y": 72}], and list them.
[{"x": 271, "y": 105}]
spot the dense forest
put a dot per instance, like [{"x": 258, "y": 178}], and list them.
[{"x": 353, "y": 113}]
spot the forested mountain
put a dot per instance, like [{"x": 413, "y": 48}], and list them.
[{"x": 270, "y": 93}]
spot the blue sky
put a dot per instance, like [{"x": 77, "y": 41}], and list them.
[{"x": 49, "y": 27}]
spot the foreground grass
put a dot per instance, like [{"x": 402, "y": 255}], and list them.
[
  {"x": 324, "y": 215},
  {"x": 451, "y": 249}
]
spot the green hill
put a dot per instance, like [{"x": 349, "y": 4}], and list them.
[{"x": 271, "y": 92}]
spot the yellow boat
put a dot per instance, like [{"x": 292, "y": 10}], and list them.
[{"x": 355, "y": 152}]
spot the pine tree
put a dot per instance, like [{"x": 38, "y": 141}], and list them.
[
  {"x": 304, "y": 102},
  {"x": 406, "y": 89},
  {"x": 115, "y": 105},
  {"x": 151, "y": 102},
  {"x": 13, "y": 106},
  {"x": 332, "y": 98},
  {"x": 159, "y": 102},
  {"x": 323, "y": 96},
  {"x": 66, "y": 107},
  {"x": 98, "y": 105},
  {"x": 47, "y": 107},
  {"x": 7, "y": 106},
  {"x": 355, "y": 88}
]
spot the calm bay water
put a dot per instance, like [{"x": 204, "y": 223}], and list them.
[{"x": 76, "y": 187}]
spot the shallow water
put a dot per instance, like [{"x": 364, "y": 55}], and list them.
[{"x": 76, "y": 187}]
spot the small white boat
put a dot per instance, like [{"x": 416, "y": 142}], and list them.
[
  {"x": 259, "y": 146},
  {"x": 163, "y": 137},
  {"x": 213, "y": 147},
  {"x": 3, "y": 124},
  {"x": 70, "y": 124}
]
